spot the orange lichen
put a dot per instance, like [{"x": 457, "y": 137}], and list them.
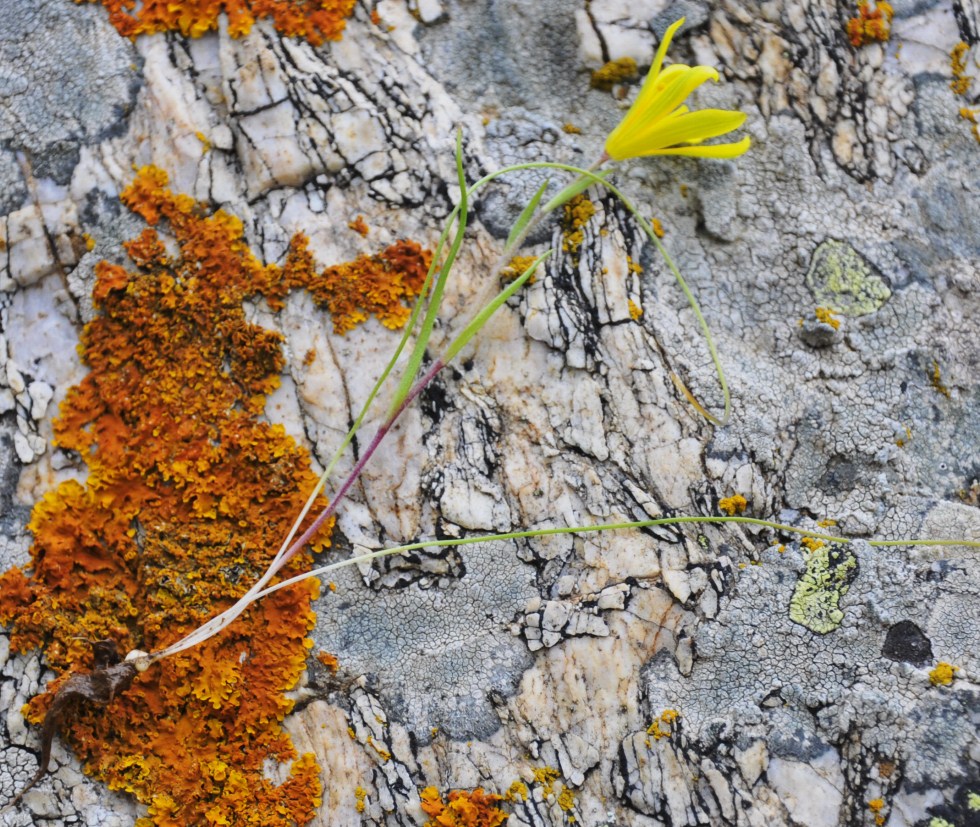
[
  {"x": 462, "y": 808},
  {"x": 188, "y": 495},
  {"x": 359, "y": 226},
  {"x": 876, "y": 805},
  {"x": 380, "y": 285},
  {"x": 328, "y": 660},
  {"x": 613, "y": 73},
  {"x": 812, "y": 544},
  {"x": 658, "y": 227},
  {"x": 736, "y": 504},
  {"x": 316, "y": 20},
  {"x": 942, "y": 674},
  {"x": 636, "y": 312},
  {"x": 871, "y": 23},
  {"x": 827, "y": 315},
  {"x": 571, "y": 129}
]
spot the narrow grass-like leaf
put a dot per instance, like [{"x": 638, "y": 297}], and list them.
[
  {"x": 490, "y": 308},
  {"x": 524, "y": 219}
]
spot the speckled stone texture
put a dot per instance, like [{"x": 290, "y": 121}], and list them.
[{"x": 801, "y": 679}]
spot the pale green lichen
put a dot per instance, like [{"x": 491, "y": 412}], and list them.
[
  {"x": 815, "y": 603},
  {"x": 842, "y": 279}
]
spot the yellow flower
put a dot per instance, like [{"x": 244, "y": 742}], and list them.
[{"x": 659, "y": 124}]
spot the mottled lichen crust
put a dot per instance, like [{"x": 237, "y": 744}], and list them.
[
  {"x": 816, "y": 599},
  {"x": 50, "y": 113},
  {"x": 844, "y": 280}
]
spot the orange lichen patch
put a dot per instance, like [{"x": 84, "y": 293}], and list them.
[
  {"x": 188, "y": 495},
  {"x": 658, "y": 228},
  {"x": 380, "y": 285},
  {"x": 942, "y": 674},
  {"x": 316, "y": 20},
  {"x": 812, "y": 543},
  {"x": 328, "y": 660},
  {"x": 736, "y": 504},
  {"x": 876, "y": 805},
  {"x": 462, "y": 808},
  {"x": 614, "y": 73},
  {"x": 359, "y": 226},
  {"x": 871, "y": 23},
  {"x": 636, "y": 312},
  {"x": 826, "y": 315},
  {"x": 571, "y": 129}
]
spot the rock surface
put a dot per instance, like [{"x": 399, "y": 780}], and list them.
[{"x": 803, "y": 680}]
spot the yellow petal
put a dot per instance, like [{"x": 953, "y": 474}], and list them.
[
  {"x": 673, "y": 93},
  {"x": 648, "y": 89},
  {"x": 709, "y": 151},
  {"x": 690, "y": 127}
]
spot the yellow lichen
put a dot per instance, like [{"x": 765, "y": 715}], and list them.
[
  {"x": 516, "y": 267},
  {"x": 517, "y": 791},
  {"x": 876, "y": 805},
  {"x": 936, "y": 380},
  {"x": 636, "y": 312},
  {"x": 942, "y": 674},
  {"x": 315, "y": 20},
  {"x": 812, "y": 544},
  {"x": 571, "y": 129},
  {"x": 575, "y": 215},
  {"x": 736, "y": 504},
  {"x": 827, "y": 315},
  {"x": 658, "y": 228},
  {"x": 188, "y": 494},
  {"x": 613, "y": 73},
  {"x": 360, "y": 794},
  {"x": 871, "y": 24},
  {"x": 960, "y": 84},
  {"x": 462, "y": 808},
  {"x": 664, "y": 726},
  {"x": 566, "y": 799}
]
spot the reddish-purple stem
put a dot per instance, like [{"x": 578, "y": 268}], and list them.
[{"x": 382, "y": 432}]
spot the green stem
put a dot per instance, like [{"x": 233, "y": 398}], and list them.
[{"x": 632, "y": 524}]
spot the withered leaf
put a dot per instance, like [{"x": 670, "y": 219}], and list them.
[{"x": 100, "y": 686}]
